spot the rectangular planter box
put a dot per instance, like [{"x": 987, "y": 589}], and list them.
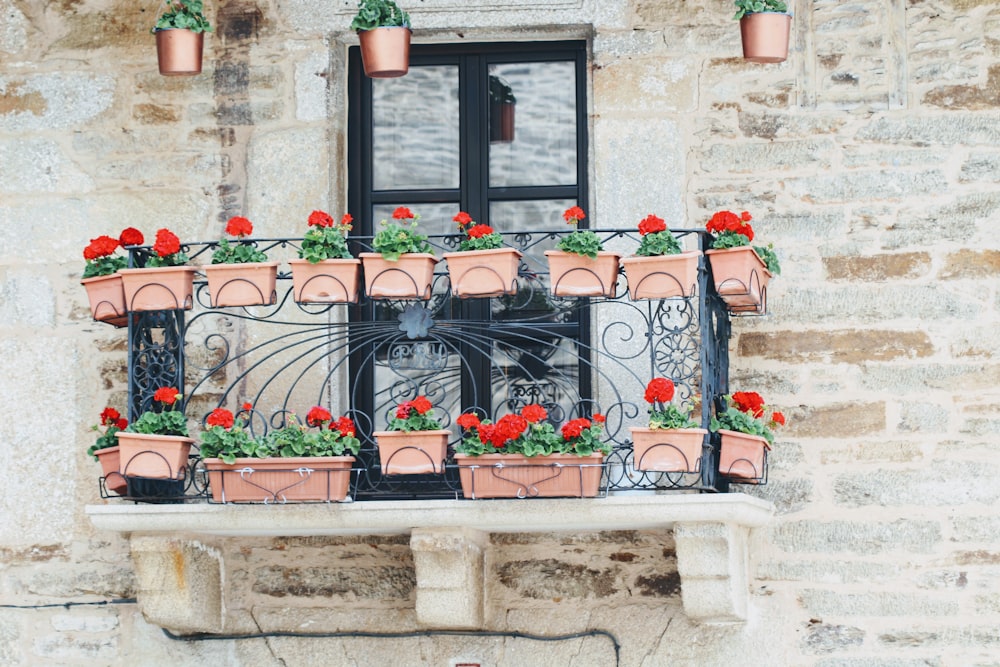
[
  {"x": 412, "y": 452},
  {"x": 280, "y": 480},
  {"x": 153, "y": 456},
  {"x": 516, "y": 476},
  {"x": 251, "y": 284}
]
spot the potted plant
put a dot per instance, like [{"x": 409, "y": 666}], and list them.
[
  {"x": 483, "y": 267},
  {"x": 522, "y": 456},
  {"x": 101, "y": 278},
  {"x": 325, "y": 271},
  {"x": 741, "y": 272},
  {"x": 745, "y": 430},
  {"x": 659, "y": 269},
  {"x": 384, "y": 32},
  {"x": 180, "y": 37},
  {"x": 764, "y": 29},
  {"x": 502, "y": 105},
  {"x": 402, "y": 266},
  {"x": 164, "y": 283},
  {"x": 156, "y": 445},
  {"x": 581, "y": 266},
  {"x": 415, "y": 442},
  {"x": 673, "y": 441},
  {"x": 292, "y": 463},
  {"x": 105, "y": 449},
  {"x": 240, "y": 274}
]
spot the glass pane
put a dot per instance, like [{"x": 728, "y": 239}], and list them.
[
  {"x": 532, "y": 124},
  {"x": 527, "y": 216},
  {"x": 415, "y": 139},
  {"x": 434, "y": 218}
]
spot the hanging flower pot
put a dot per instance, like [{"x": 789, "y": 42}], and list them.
[
  {"x": 107, "y": 299},
  {"x": 409, "y": 277},
  {"x": 326, "y": 281},
  {"x": 280, "y": 479},
  {"x": 571, "y": 274},
  {"x": 483, "y": 273},
  {"x": 179, "y": 52},
  {"x": 667, "y": 450},
  {"x": 110, "y": 461},
  {"x": 519, "y": 476},
  {"x": 765, "y": 36},
  {"x": 385, "y": 52},
  {"x": 160, "y": 288},
  {"x": 742, "y": 456},
  {"x": 662, "y": 276},
  {"x": 252, "y": 284},
  {"x": 741, "y": 278}
]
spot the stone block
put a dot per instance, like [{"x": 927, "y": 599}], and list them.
[
  {"x": 772, "y": 125},
  {"x": 14, "y": 29},
  {"x": 378, "y": 582},
  {"x": 848, "y": 346},
  {"x": 449, "y": 568},
  {"x": 877, "y": 303},
  {"x": 60, "y": 647},
  {"x": 646, "y": 87},
  {"x": 922, "y": 417},
  {"x": 53, "y": 100},
  {"x": 27, "y": 299},
  {"x": 965, "y": 96},
  {"x": 878, "y": 268},
  {"x": 942, "y": 484},
  {"x": 312, "y": 75},
  {"x": 860, "y": 185},
  {"x": 971, "y": 264},
  {"x": 827, "y": 638},
  {"x": 927, "y": 129},
  {"x": 904, "y": 380},
  {"x": 180, "y": 583},
  {"x": 836, "y": 420},
  {"x": 878, "y": 604},
  {"x": 980, "y": 167},
  {"x": 84, "y": 623},
  {"x": 767, "y": 156},
  {"x": 868, "y": 537},
  {"x": 975, "y": 529},
  {"x": 836, "y": 571},
  {"x": 712, "y": 562},
  {"x": 280, "y": 209},
  {"x": 10, "y": 637},
  {"x": 39, "y": 165}
]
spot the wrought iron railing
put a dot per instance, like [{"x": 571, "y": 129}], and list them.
[{"x": 575, "y": 356}]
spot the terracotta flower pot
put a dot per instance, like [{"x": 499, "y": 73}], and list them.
[
  {"x": 250, "y": 284},
  {"x": 765, "y": 36},
  {"x": 517, "y": 476},
  {"x": 409, "y": 277},
  {"x": 385, "y": 52},
  {"x": 483, "y": 273},
  {"x": 178, "y": 51},
  {"x": 163, "y": 288},
  {"x": 412, "y": 452},
  {"x": 662, "y": 276},
  {"x": 279, "y": 480},
  {"x": 741, "y": 278},
  {"x": 667, "y": 450},
  {"x": 110, "y": 461},
  {"x": 502, "y": 122},
  {"x": 327, "y": 281},
  {"x": 153, "y": 456},
  {"x": 743, "y": 457},
  {"x": 107, "y": 299},
  {"x": 578, "y": 275}
]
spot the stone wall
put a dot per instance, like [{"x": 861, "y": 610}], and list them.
[{"x": 871, "y": 159}]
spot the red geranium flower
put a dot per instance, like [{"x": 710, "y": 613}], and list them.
[
  {"x": 166, "y": 395},
  {"x": 421, "y": 405},
  {"x": 659, "y": 390},
  {"x": 468, "y": 420},
  {"x": 479, "y": 231},
  {"x": 512, "y": 426},
  {"x": 110, "y": 416},
  {"x": 534, "y": 413},
  {"x": 462, "y": 218},
  {"x": 750, "y": 402},
  {"x": 131, "y": 236},
  {"x": 574, "y": 427},
  {"x": 167, "y": 243},
  {"x": 402, "y": 213},
  {"x": 122, "y": 424},
  {"x": 247, "y": 407},
  {"x": 239, "y": 226},
  {"x": 573, "y": 215},
  {"x": 599, "y": 418},
  {"x": 486, "y": 432},
  {"x": 220, "y": 417},
  {"x": 317, "y": 416},
  {"x": 652, "y": 224},
  {"x": 403, "y": 410},
  {"x": 778, "y": 418},
  {"x": 345, "y": 425},
  {"x": 320, "y": 219},
  {"x": 102, "y": 246},
  {"x": 346, "y": 221}
]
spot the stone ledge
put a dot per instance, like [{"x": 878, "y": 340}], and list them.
[{"x": 449, "y": 540}]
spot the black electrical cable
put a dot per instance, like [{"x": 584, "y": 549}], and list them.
[
  {"x": 403, "y": 635},
  {"x": 67, "y": 605}
]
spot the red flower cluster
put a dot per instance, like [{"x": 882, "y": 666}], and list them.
[
  {"x": 239, "y": 226},
  {"x": 131, "y": 236},
  {"x": 659, "y": 390},
  {"x": 508, "y": 427},
  {"x": 750, "y": 402},
  {"x": 102, "y": 246},
  {"x": 344, "y": 426},
  {"x": 220, "y": 417},
  {"x": 420, "y": 404},
  {"x": 534, "y": 413},
  {"x": 778, "y": 418},
  {"x": 403, "y": 213},
  {"x": 111, "y": 417},
  {"x": 573, "y": 215},
  {"x": 574, "y": 428},
  {"x": 320, "y": 219},
  {"x": 166, "y": 395},
  {"x": 317, "y": 416},
  {"x": 167, "y": 243},
  {"x": 479, "y": 231},
  {"x": 727, "y": 221},
  {"x": 463, "y": 219},
  {"x": 468, "y": 420},
  {"x": 652, "y": 224}
]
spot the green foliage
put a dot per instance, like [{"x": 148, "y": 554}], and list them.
[
  {"x": 104, "y": 440},
  {"x": 379, "y": 14},
  {"x": 294, "y": 439},
  {"x": 742, "y": 422},
  {"x": 671, "y": 417},
  {"x": 322, "y": 243},
  {"x": 104, "y": 266},
  {"x": 188, "y": 15},
  {"x": 539, "y": 439},
  {"x": 175, "y": 259},
  {"x": 167, "y": 422},
  {"x": 581, "y": 242},
  {"x": 395, "y": 239},
  {"x": 239, "y": 252},
  {"x": 744, "y": 7},
  {"x": 770, "y": 258},
  {"x": 730, "y": 240},
  {"x": 492, "y": 241},
  {"x": 415, "y": 422},
  {"x": 231, "y": 444},
  {"x": 658, "y": 243}
]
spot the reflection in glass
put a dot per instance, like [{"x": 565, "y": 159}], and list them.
[
  {"x": 415, "y": 142},
  {"x": 541, "y": 149}
]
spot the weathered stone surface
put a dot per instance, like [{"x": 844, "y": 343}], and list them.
[
  {"x": 824, "y": 638},
  {"x": 10, "y": 652},
  {"x": 663, "y": 85},
  {"x": 26, "y": 299},
  {"x": 981, "y": 167},
  {"x": 879, "y": 451},
  {"x": 923, "y": 418},
  {"x": 862, "y": 185},
  {"x": 13, "y": 28},
  {"x": 876, "y": 303},
  {"x": 850, "y": 346},
  {"x": 767, "y": 156},
  {"x": 837, "y": 420},
  {"x": 945, "y": 484},
  {"x": 311, "y": 78},
  {"x": 773, "y": 125},
  {"x": 53, "y": 101},
  {"x": 934, "y": 376},
  {"x": 280, "y": 209},
  {"x": 885, "y": 604},
  {"x": 374, "y": 583},
  {"x": 549, "y": 578},
  {"x": 39, "y": 165},
  {"x": 156, "y": 114},
  {"x": 975, "y": 529},
  {"x": 68, "y": 647},
  {"x": 836, "y": 571},
  {"x": 81, "y": 623},
  {"x": 973, "y": 264},
  {"x": 982, "y": 637},
  {"x": 878, "y": 267},
  {"x": 879, "y": 662},
  {"x": 788, "y": 495},
  {"x": 973, "y": 97},
  {"x": 857, "y": 537}
]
